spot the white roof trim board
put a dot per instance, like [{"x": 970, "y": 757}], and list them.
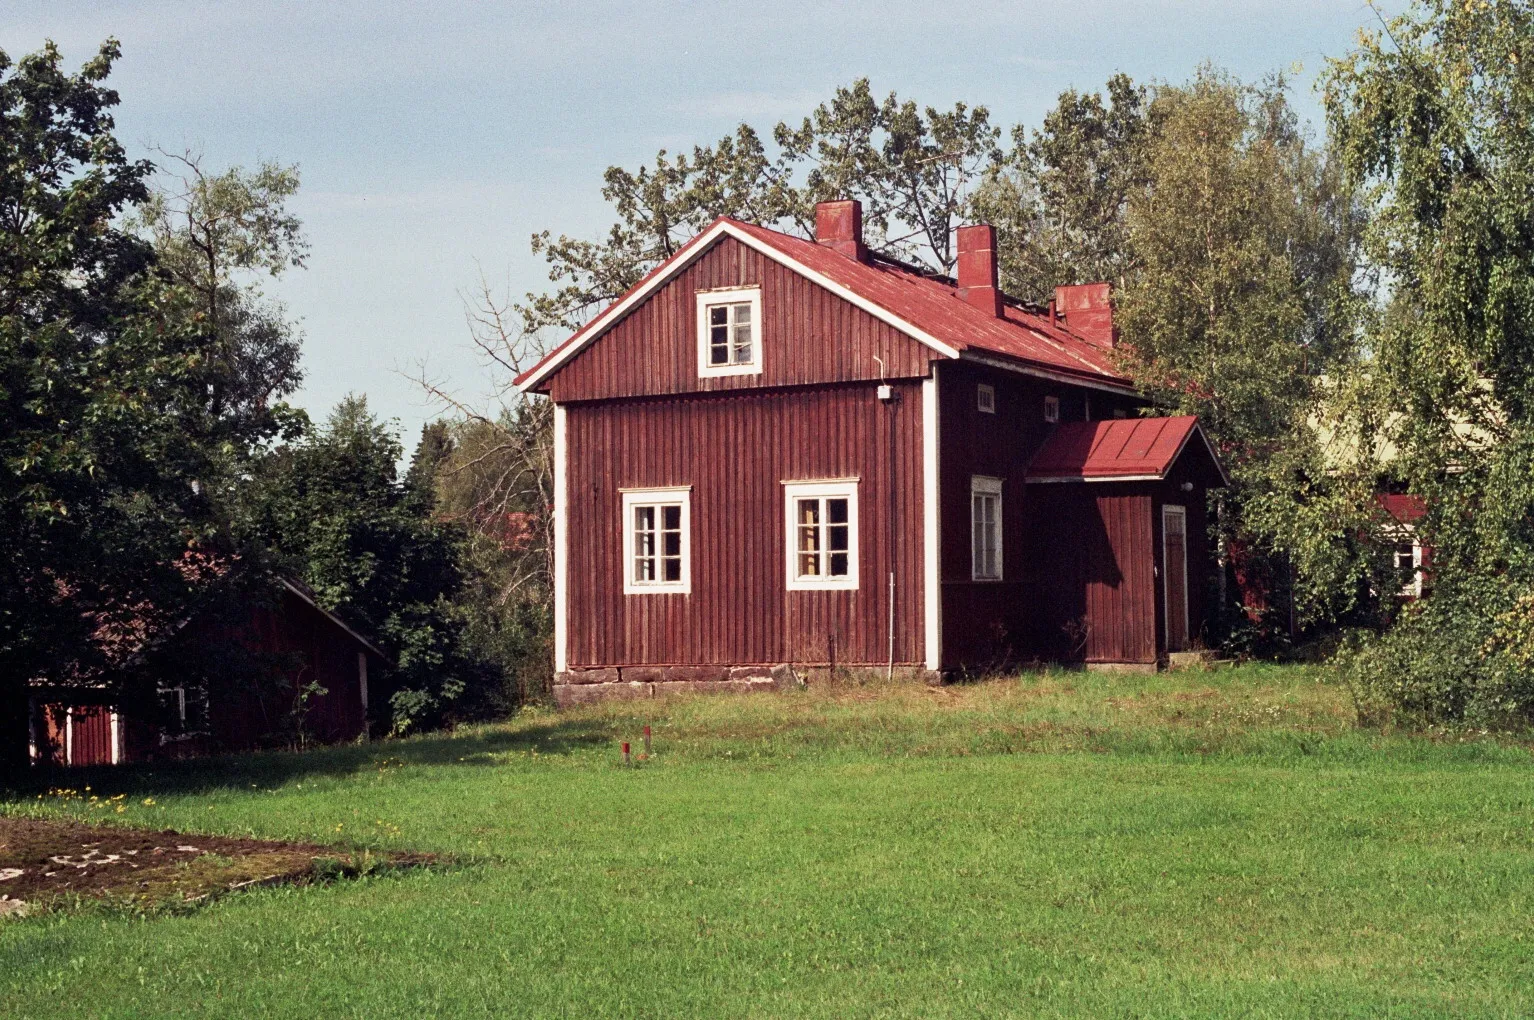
[
  {"x": 1198, "y": 427},
  {"x": 994, "y": 361},
  {"x": 1082, "y": 480}
]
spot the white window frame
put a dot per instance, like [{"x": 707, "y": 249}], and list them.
[
  {"x": 1412, "y": 588},
  {"x": 1168, "y": 512},
  {"x": 985, "y": 398},
  {"x": 1052, "y": 409},
  {"x": 657, "y": 497},
  {"x": 823, "y": 489},
  {"x": 730, "y": 296},
  {"x": 182, "y": 695},
  {"x": 980, "y": 485}
]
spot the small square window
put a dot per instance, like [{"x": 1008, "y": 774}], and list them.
[
  {"x": 822, "y": 534},
  {"x": 985, "y": 398},
  {"x": 1119, "y": 412},
  {"x": 729, "y": 331},
  {"x": 1051, "y": 409},
  {"x": 656, "y": 546}
]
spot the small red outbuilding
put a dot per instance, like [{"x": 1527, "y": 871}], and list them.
[
  {"x": 1118, "y": 519},
  {"x": 279, "y": 649}
]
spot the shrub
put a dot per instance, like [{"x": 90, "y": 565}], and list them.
[{"x": 1465, "y": 656}]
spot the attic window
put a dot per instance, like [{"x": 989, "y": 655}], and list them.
[
  {"x": 729, "y": 331},
  {"x": 985, "y": 398},
  {"x": 1051, "y": 409}
]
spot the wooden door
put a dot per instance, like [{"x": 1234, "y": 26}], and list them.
[
  {"x": 1174, "y": 573},
  {"x": 92, "y": 736}
]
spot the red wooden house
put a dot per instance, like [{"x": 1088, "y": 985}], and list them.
[
  {"x": 775, "y": 453},
  {"x": 1412, "y": 558},
  {"x": 289, "y": 639}
]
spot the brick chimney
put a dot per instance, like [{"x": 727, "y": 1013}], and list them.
[
  {"x": 839, "y": 226},
  {"x": 1087, "y": 309},
  {"x": 977, "y": 268}
]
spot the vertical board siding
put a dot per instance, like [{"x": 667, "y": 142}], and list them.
[
  {"x": 1093, "y": 587},
  {"x": 91, "y": 743},
  {"x": 808, "y": 335},
  {"x": 735, "y": 452},
  {"x": 1120, "y": 579},
  {"x": 311, "y": 648},
  {"x": 987, "y": 622}
]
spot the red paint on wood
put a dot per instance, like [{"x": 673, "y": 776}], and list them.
[
  {"x": 808, "y": 335},
  {"x": 926, "y": 303},
  {"x": 736, "y": 451},
  {"x": 90, "y": 737}
]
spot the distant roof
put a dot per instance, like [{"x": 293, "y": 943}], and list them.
[
  {"x": 1404, "y": 507},
  {"x": 1120, "y": 450},
  {"x": 922, "y": 305}
]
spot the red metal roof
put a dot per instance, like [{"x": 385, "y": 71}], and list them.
[
  {"x": 1117, "y": 450},
  {"x": 929, "y": 304},
  {"x": 1404, "y": 507}
]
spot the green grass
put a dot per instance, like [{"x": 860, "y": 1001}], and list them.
[{"x": 1066, "y": 844}]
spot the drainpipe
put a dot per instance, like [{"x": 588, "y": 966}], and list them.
[{"x": 887, "y": 397}]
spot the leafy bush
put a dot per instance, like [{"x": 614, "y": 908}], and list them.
[{"x": 1464, "y": 656}]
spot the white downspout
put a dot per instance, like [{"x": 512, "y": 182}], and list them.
[{"x": 561, "y": 543}]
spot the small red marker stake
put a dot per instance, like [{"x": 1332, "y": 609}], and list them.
[
  {"x": 626, "y": 759},
  {"x": 647, "y": 741}
]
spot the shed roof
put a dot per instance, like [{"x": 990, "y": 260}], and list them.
[
  {"x": 1120, "y": 450},
  {"x": 924, "y": 306}
]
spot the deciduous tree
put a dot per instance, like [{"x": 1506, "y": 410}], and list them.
[
  {"x": 334, "y": 512},
  {"x": 1060, "y": 196},
  {"x": 1240, "y": 302},
  {"x": 1434, "y": 117},
  {"x": 102, "y": 389}
]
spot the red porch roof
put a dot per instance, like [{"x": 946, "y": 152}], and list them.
[
  {"x": 926, "y": 306},
  {"x": 1123, "y": 449}
]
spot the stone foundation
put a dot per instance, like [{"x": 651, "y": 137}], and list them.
[
  {"x": 1122, "y": 667},
  {"x": 579, "y": 686},
  {"x": 627, "y": 683}
]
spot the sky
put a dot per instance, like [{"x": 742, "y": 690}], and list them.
[{"x": 435, "y": 138}]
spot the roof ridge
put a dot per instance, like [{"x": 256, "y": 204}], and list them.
[{"x": 909, "y": 298}]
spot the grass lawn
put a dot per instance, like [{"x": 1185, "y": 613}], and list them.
[{"x": 1190, "y": 844}]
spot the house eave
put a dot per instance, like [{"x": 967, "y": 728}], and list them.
[{"x": 1125, "y": 389}]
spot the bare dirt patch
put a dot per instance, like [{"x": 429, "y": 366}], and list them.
[{"x": 45, "y": 863}]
